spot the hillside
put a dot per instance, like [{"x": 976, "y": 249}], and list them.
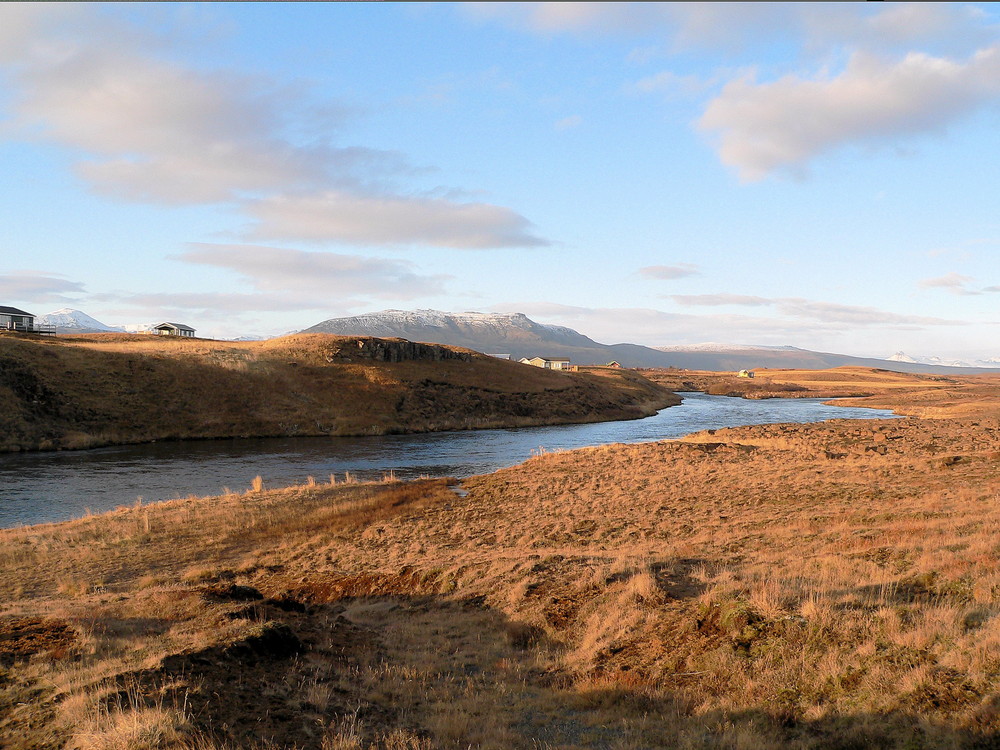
[
  {"x": 83, "y": 391},
  {"x": 832, "y": 585},
  {"x": 519, "y": 336}
]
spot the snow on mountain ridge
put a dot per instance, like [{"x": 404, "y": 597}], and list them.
[
  {"x": 944, "y": 362},
  {"x": 77, "y": 320},
  {"x": 439, "y": 319},
  {"x": 714, "y": 346}
]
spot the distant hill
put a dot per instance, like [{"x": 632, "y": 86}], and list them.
[
  {"x": 519, "y": 336},
  {"x": 111, "y": 388}
]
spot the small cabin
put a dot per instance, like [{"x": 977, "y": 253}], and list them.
[
  {"x": 553, "y": 363},
  {"x": 12, "y": 319},
  {"x": 614, "y": 364},
  {"x": 745, "y": 374},
  {"x": 173, "y": 329}
]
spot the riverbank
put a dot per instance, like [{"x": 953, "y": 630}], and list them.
[
  {"x": 59, "y": 486},
  {"x": 932, "y": 396},
  {"x": 809, "y": 586},
  {"x": 86, "y": 391}
]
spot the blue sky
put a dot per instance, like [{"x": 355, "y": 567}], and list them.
[{"x": 823, "y": 176}]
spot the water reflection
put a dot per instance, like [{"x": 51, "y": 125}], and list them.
[{"x": 41, "y": 487}]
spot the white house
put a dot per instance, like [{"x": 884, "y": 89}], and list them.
[{"x": 552, "y": 363}]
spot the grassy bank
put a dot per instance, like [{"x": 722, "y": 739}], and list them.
[
  {"x": 84, "y": 391},
  {"x": 908, "y": 393},
  {"x": 832, "y": 585}
]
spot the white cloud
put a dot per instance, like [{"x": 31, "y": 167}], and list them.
[
  {"x": 827, "y": 312},
  {"x": 854, "y": 315},
  {"x": 736, "y": 27},
  {"x": 37, "y": 286},
  {"x": 669, "y": 273},
  {"x": 312, "y": 277},
  {"x": 764, "y": 127},
  {"x": 381, "y": 220},
  {"x": 144, "y": 128},
  {"x": 718, "y": 300},
  {"x": 913, "y": 68},
  {"x": 953, "y": 282}
]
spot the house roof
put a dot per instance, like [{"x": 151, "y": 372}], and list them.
[
  {"x": 178, "y": 326},
  {"x": 14, "y": 311}
]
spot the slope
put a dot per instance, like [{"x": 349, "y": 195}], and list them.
[{"x": 82, "y": 391}]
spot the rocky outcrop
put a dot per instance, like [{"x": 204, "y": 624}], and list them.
[{"x": 392, "y": 350}]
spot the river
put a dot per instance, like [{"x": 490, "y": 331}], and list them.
[{"x": 44, "y": 487}]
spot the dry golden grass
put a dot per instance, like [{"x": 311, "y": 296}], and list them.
[
  {"x": 834, "y": 585},
  {"x": 89, "y": 390},
  {"x": 932, "y": 396}
]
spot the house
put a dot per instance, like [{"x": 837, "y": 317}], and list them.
[
  {"x": 499, "y": 356},
  {"x": 12, "y": 319},
  {"x": 745, "y": 374},
  {"x": 172, "y": 329},
  {"x": 614, "y": 364},
  {"x": 553, "y": 363}
]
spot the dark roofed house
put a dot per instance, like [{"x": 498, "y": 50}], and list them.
[
  {"x": 12, "y": 319},
  {"x": 173, "y": 329}
]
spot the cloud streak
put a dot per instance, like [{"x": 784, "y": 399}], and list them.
[
  {"x": 38, "y": 286},
  {"x": 718, "y": 300},
  {"x": 766, "y": 127},
  {"x": 669, "y": 273},
  {"x": 316, "y": 276},
  {"x": 825, "y": 312},
  {"x": 388, "y": 220},
  {"x": 953, "y": 282}
]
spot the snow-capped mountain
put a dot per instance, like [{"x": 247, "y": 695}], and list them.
[
  {"x": 506, "y": 333},
  {"x": 68, "y": 320},
  {"x": 943, "y": 362}
]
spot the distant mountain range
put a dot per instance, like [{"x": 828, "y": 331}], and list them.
[
  {"x": 519, "y": 336},
  {"x": 68, "y": 320},
  {"x": 992, "y": 362}
]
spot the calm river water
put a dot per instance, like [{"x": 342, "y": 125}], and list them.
[{"x": 43, "y": 487}]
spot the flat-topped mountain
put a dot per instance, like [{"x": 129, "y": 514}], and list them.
[
  {"x": 519, "y": 336},
  {"x": 492, "y": 333}
]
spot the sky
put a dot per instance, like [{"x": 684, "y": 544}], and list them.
[{"x": 824, "y": 176}]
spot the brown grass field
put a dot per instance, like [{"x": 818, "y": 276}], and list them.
[
  {"x": 88, "y": 390},
  {"x": 834, "y": 585}
]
